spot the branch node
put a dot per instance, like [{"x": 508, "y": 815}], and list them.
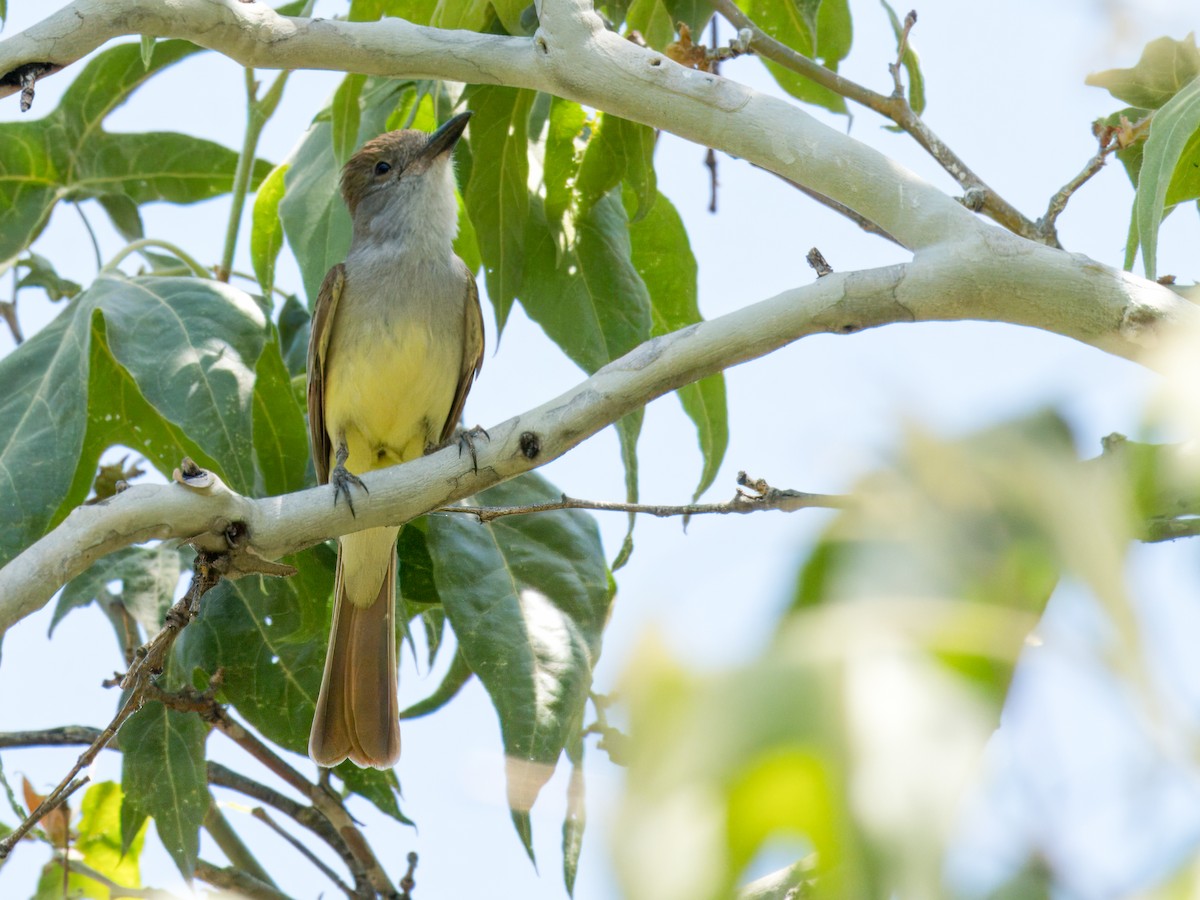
[{"x": 817, "y": 260}]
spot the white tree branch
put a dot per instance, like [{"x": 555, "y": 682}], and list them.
[
  {"x": 1001, "y": 278},
  {"x": 571, "y": 55}
]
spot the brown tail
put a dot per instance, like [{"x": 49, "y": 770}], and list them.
[{"x": 357, "y": 714}]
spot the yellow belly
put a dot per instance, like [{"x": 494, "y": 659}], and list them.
[{"x": 388, "y": 392}]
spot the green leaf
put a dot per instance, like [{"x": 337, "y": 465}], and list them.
[
  {"x": 415, "y": 574},
  {"x": 455, "y": 679},
  {"x": 124, "y": 214},
  {"x": 381, "y": 787},
  {"x": 662, "y": 256},
  {"x": 198, "y": 372},
  {"x": 42, "y": 426},
  {"x": 651, "y": 19},
  {"x": 528, "y": 597},
  {"x": 590, "y": 299},
  {"x": 346, "y": 116},
  {"x": 561, "y": 159},
  {"x": 1165, "y": 67},
  {"x": 266, "y": 235},
  {"x": 148, "y": 577},
  {"x": 269, "y": 635},
  {"x": 164, "y": 774},
  {"x": 294, "y": 326},
  {"x": 41, "y": 273},
  {"x": 693, "y": 13},
  {"x": 1174, "y": 130},
  {"x": 574, "y": 822},
  {"x": 419, "y": 12},
  {"x": 148, "y": 41},
  {"x": 280, "y": 433},
  {"x": 314, "y": 217},
  {"x": 619, "y": 150},
  {"x": 802, "y": 25},
  {"x": 68, "y": 155},
  {"x": 910, "y": 61},
  {"x": 99, "y": 839},
  {"x": 497, "y": 195},
  {"x": 777, "y": 767}
]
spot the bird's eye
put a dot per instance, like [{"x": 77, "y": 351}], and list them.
[{"x": 382, "y": 168}]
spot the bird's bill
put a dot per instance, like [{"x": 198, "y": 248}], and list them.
[{"x": 447, "y": 136}]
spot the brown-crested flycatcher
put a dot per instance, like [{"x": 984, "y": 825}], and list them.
[{"x": 397, "y": 340}]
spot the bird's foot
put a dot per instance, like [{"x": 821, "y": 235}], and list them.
[
  {"x": 342, "y": 480},
  {"x": 465, "y": 438}
]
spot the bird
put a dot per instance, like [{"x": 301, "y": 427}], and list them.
[{"x": 396, "y": 343}]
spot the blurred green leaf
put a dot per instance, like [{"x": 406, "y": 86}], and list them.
[
  {"x": 266, "y": 235},
  {"x": 1172, "y": 152},
  {"x": 68, "y": 155},
  {"x": 148, "y": 577},
  {"x": 910, "y": 61},
  {"x": 819, "y": 30},
  {"x": 528, "y": 597},
  {"x": 662, "y": 256},
  {"x": 575, "y": 820},
  {"x": 165, "y": 777},
  {"x": 497, "y": 195},
  {"x": 1165, "y": 67},
  {"x": 726, "y": 763}
]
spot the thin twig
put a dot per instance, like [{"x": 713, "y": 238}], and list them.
[
  {"x": 116, "y": 890},
  {"x": 8, "y": 311},
  {"x": 1046, "y": 224},
  {"x": 262, "y": 816},
  {"x": 758, "y": 497},
  {"x": 408, "y": 882},
  {"x": 239, "y": 855},
  {"x": 258, "y": 112},
  {"x": 91, "y": 234},
  {"x": 898, "y": 110},
  {"x": 361, "y": 860},
  {"x": 901, "y": 46},
  {"x": 149, "y": 662},
  {"x": 240, "y": 883},
  {"x": 861, "y": 221}
]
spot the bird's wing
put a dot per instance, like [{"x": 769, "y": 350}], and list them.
[
  {"x": 318, "y": 346},
  {"x": 472, "y": 358}
]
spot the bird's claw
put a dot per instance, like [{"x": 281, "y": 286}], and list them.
[
  {"x": 342, "y": 480},
  {"x": 466, "y": 438}
]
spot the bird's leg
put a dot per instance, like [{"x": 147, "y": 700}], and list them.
[
  {"x": 465, "y": 438},
  {"x": 342, "y": 478}
]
